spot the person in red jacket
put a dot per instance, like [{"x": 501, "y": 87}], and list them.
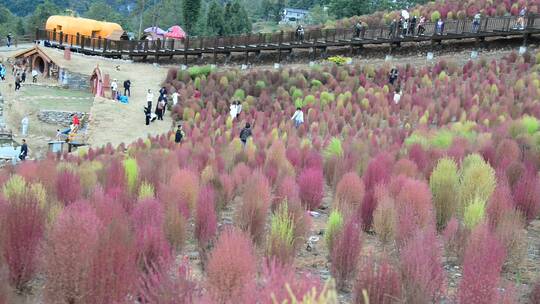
[{"x": 76, "y": 121}]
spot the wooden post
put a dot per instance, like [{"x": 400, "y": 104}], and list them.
[
  {"x": 485, "y": 24},
  {"x": 186, "y": 47},
  {"x": 61, "y": 35},
  {"x": 82, "y": 42},
  {"x": 37, "y": 33},
  {"x": 280, "y": 41},
  {"x": 100, "y": 42},
  {"x": 215, "y": 49}
]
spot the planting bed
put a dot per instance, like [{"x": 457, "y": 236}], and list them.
[{"x": 431, "y": 200}]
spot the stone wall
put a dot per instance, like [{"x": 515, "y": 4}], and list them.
[
  {"x": 60, "y": 118},
  {"x": 74, "y": 81}
]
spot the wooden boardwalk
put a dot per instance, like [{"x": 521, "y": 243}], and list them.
[{"x": 316, "y": 40}]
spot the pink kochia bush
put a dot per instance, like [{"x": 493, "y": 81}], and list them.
[
  {"x": 349, "y": 193},
  {"x": 345, "y": 252},
  {"x": 205, "y": 220},
  {"x": 379, "y": 279},
  {"x": 276, "y": 276},
  {"x": 231, "y": 267},
  {"x": 378, "y": 171},
  {"x": 22, "y": 224},
  {"x": 421, "y": 266},
  {"x": 527, "y": 194},
  {"x": 151, "y": 243},
  {"x": 311, "y": 183},
  {"x": 68, "y": 186},
  {"x": 482, "y": 265},
  {"x": 255, "y": 205},
  {"x": 68, "y": 254}
]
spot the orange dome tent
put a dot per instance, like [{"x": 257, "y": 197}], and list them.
[{"x": 87, "y": 27}]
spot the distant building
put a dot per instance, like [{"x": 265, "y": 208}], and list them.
[{"x": 293, "y": 15}]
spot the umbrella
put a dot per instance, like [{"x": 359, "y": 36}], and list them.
[
  {"x": 175, "y": 32},
  {"x": 155, "y": 30},
  {"x": 405, "y": 14}
]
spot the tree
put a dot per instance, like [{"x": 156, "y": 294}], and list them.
[
  {"x": 41, "y": 14},
  {"x": 100, "y": 10},
  {"x": 318, "y": 15},
  {"x": 273, "y": 8},
  {"x": 191, "y": 10},
  {"x": 20, "y": 30},
  {"x": 215, "y": 24},
  {"x": 349, "y": 8},
  {"x": 237, "y": 19}
]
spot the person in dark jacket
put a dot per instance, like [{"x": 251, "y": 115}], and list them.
[
  {"x": 127, "y": 88},
  {"x": 245, "y": 134},
  {"x": 17, "y": 82},
  {"x": 180, "y": 134},
  {"x": 24, "y": 150},
  {"x": 393, "y": 76},
  {"x": 162, "y": 93},
  {"x": 412, "y": 26},
  {"x": 147, "y": 114},
  {"x": 392, "y": 29}
]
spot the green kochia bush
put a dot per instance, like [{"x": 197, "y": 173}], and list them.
[
  {"x": 530, "y": 123},
  {"x": 477, "y": 180},
  {"x": 444, "y": 184},
  {"x": 474, "y": 213},
  {"x": 132, "y": 172},
  {"x": 198, "y": 71},
  {"x": 239, "y": 94},
  {"x": 281, "y": 238},
  {"x": 334, "y": 149},
  {"x": 334, "y": 227}
]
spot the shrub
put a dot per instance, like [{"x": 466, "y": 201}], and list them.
[
  {"x": 385, "y": 217},
  {"x": 349, "y": 193},
  {"x": 345, "y": 252},
  {"x": 131, "y": 173},
  {"x": 188, "y": 192},
  {"x": 378, "y": 171},
  {"x": 281, "y": 239},
  {"x": 280, "y": 284},
  {"x": 435, "y": 16},
  {"x": 474, "y": 213},
  {"x": 444, "y": 183},
  {"x": 158, "y": 286},
  {"x": 414, "y": 207},
  {"x": 530, "y": 123},
  {"x": 527, "y": 195},
  {"x": 68, "y": 187},
  {"x": 534, "y": 296},
  {"x": 68, "y": 254},
  {"x": 511, "y": 233},
  {"x": 334, "y": 149},
  {"x": 197, "y": 71},
  {"x": 254, "y": 209},
  {"x": 379, "y": 280},
  {"x": 482, "y": 265},
  {"x": 287, "y": 190},
  {"x": 239, "y": 94},
  {"x": 311, "y": 183},
  {"x": 333, "y": 229},
  {"x": 421, "y": 266},
  {"x": 205, "y": 220},
  {"x": 14, "y": 187},
  {"x": 500, "y": 203},
  {"x": 152, "y": 246},
  {"x": 146, "y": 191},
  {"x": 231, "y": 267},
  {"x": 22, "y": 222},
  {"x": 477, "y": 180}
]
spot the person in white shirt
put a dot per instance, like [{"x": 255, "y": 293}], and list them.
[
  {"x": 298, "y": 117},
  {"x": 24, "y": 123},
  {"x": 238, "y": 108},
  {"x": 175, "y": 98},
  {"x": 149, "y": 98},
  {"x": 233, "y": 110},
  {"x": 114, "y": 89},
  {"x": 397, "y": 96},
  {"x": 34, "y": 76}
]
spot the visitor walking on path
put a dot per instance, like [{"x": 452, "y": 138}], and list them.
[
  {"x": 9, "y": 39},
  {"x": 23, "y": 76},
  {"x": 114, "y": 89},
  {"x": 180, "y": 134},
  {"x": 245, "y": 134},
  {"x": 162, "y": 93},
  {"x": 160, "y": 109},
  {"x": 149, "y": 98},
  {"x": 439, "y": 28},
  {"x": 521, "y": 19},
  {"x": 2, "y": 72},
  {"x": 147, "y": 114},
  {"x": 298, "y": 117},
  {"x": 34, "y": 76},
  {"x": 392, "y": 29},
  {"x": 476, "y": 23},
  {"x": 421, "y": 26},
  {"x": 24, "y": 150},
  {"x": 233, "y": 110},
  {"x": 358, "y": 29},
  {"x": 175, "y": 98},
  {"x": 24, "y": 124},
  {"x": 127, "y": 88},
  {"x": 412, "y": 26},
  {"x": 17, "y": 82},
  {"x": 393, "y": 76}
]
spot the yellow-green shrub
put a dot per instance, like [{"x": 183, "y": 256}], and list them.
[
  {"x": 477, "y": 180},
  {"x": 132, "y": 172},
  {"x": 334, "y": 226},
  {"x": 444, "y": 185},
  {"x": 474, "y": 213}
]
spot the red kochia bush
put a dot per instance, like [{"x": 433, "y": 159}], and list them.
[
  {"x": 349, "y": 193},
  {"x": 527, "y": 194},
  {"x": 152, "y": 246},
  {"x": 346, "y": 251},
  {"x": 500, "y": 201},
  {"x": 68, "y": 187},
  {"x": 255, "y": 204},
  {"x": 68, "y": 254},
  {"x": 482, "y": 267},
  {"x": 22, "y": 224},
  {"x": 311, "y": 183},
  {"x": 205, "y": 220},
  {"x": 379, "y": 279},
  {"x": 378, "y": 171},
  {"x": 276, "y": 276},
  {"x": 421, "y": 266},
  {"x": 231, "y": 267}
]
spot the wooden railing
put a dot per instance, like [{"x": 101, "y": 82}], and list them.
[{"x": 453, "y": 29}]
